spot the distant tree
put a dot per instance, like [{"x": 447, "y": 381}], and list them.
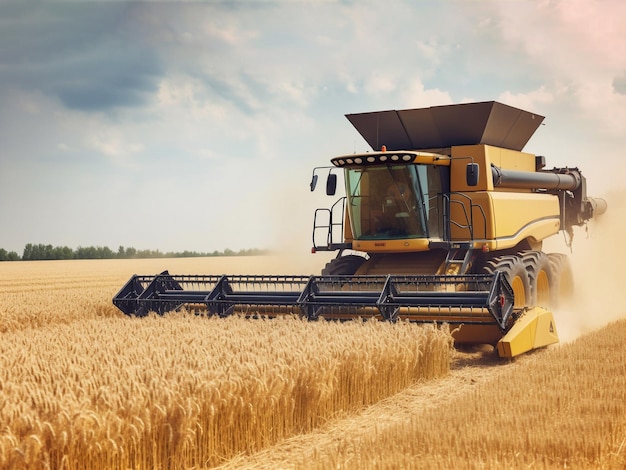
[
  {"x": 8, "y": 255},
  {"x": 251, "y": 252},
  {"x": 48, "y": 252},
  {"x": 63, "y": 252},
  {"x": 104, "y": 252},
  {"x": 37, "y": 251},
  {"x": 149, "y": 254},
  {"x": 86, "y": 252}
]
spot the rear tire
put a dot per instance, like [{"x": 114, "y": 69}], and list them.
[
  {"x": 543, "y": 282},
  {"x": 344, "y": 265},
  {"x": 515, "y": 272},
  {"x": 564, "y": 284}
]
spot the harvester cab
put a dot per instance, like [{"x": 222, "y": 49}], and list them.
[{"x": 443, "y": 221}]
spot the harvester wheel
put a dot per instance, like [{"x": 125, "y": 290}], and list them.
[
  {"x": 564, "y": 287},
  {"x": 344, "y": 265},
  {"x": 515, "y": 272},
  {"x": 543, "y": 282}
]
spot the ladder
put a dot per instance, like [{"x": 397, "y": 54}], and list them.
[{"x": 458, "y": 259}]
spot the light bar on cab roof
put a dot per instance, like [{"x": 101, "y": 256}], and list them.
[
  {"x": 374, "y": 158},
  {"x": 378, "y": 158}
]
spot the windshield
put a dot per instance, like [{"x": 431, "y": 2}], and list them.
[{"x": 394, "y": 201}]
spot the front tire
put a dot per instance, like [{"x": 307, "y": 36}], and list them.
[
  {"x": 344, "y": 265},
  {"x": 515, "y": 272}
]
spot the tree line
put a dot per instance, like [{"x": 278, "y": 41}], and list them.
[{"x": 40, "y": 251}]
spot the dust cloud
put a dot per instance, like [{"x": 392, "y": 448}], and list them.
[
  {"x": 292, "y": 261},
  {"x": 290, "y": 227},
  {"x": 598, "y": 259}
]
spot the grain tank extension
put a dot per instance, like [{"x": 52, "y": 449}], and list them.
[{"x": 443, "y": 221}]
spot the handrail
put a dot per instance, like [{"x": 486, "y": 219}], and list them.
[
  {"x": 469, "y": 219},
  {"x": 338, "y": 206}
]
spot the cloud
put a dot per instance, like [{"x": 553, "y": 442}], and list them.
[
  {"x": 83, "y": 55},
  {"x": 575, "y": 47},
  {"x": 619, "y": 84},
  {"x": 532, "y": 100},
  {"x": 128, "y": 80},
  {"x": 115, "y": 146},
  {"x": 217, "y": 111}
]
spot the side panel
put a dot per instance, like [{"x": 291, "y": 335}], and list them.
[
  {"x": 485, "y": 156},
  {"x": 510, "y": 159},
  {"x": 515, "y": 211},
  {"x": 463, "y": 155},
  {"x": 509, "y": 217}
]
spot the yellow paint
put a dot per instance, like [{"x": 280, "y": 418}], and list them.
[
  {"x": 501, "y": 219},
  {"x": 534, "y": 329},
  {"x": 509, "y": 217},
  {"x": 485, "y": 156},
  {"x": 391, "y": 246},
  {"x": 432, "y": 159}
]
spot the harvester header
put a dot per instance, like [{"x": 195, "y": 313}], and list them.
[{"x": 443, "y": 222}]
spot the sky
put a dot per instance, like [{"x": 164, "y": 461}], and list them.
[{"x": 196, "y": 125}]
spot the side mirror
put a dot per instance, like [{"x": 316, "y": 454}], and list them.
[
  {"x": 313, "y": 182},
  {"x": 471, "y": 174},
  {"x": 331, "y": 184}
]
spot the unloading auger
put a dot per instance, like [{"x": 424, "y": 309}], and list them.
[{"x": 448, "y": 231}]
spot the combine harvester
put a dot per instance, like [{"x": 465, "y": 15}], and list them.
[{"x": 442, "y": 222}]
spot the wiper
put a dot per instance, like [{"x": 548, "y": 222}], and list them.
[
  {"x": 357, "y": 186},
  {"x": 397, "y": 186}
]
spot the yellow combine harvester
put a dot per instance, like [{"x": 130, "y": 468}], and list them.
[{"x": 442, "y": 222}]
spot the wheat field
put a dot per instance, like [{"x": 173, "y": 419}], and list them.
[
  {"x": 564, "y": 407},
  {"x": 84, "y": 386}
]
